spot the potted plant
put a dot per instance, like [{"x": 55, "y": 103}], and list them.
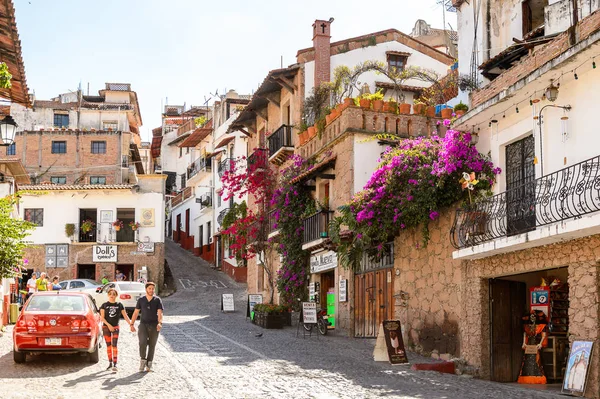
[
  {"x": 135, "y": 225},
  {"x": 270, "y": 315},
  {"x": 70, "y": 229},
  {"x": 87, "y": 226},
  {"x": 404, "y": 108},
  {"x": 117, "y": 224},
  {"x": 460, "y": 109},
  {"x": 377, "y": 100},
  {"x": 476, "y": 220},
  {"x": 419, "y": 107},
  {"x": 446, "y": 113},
  {"x": 364, "y": 101}
]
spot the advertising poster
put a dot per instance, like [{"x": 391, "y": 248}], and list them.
[
  {"x": 394, "y": 342},
  {"x": 577, "y": 367},
  {"x": 253, "y": 299}
]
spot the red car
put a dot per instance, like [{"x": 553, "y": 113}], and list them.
[{"x": 58, "y": 322}]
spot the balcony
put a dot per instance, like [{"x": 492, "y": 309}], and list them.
[
  {"x": 272, "y": 229},
  {"x": 280, "y": 144},
  {"x": 202, "y": 164},
  {"x": 183, "y": 195},
  {"x": 226, "y": 164},
  {"x": 222, "y": 216},
  {"x": 367, "y": 121},
  {"x": 90, "y": 236},
  {"x": 552, "y": 208},
  {"x": 258, "y": 160},
  {"x": 316, "y": 229}
]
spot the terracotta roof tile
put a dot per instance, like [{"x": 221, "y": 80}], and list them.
[
  {"x": 224, "y": 141},
  {"x": 196, "y": 137},
  {"x": 316, "y": 168},
  {"x": 71, "y": 187}
]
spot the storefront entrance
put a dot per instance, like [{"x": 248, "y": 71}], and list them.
[
  {"x": 511, "y": 299},
  {"x": 86, "y": 271},
  {"x": 128, "y": 271},
  {"x": 373, "y": 294}
]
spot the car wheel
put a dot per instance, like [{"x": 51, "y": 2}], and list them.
[
  {"x": 95, "y": 355},
  {"x": 18, "y": 357}
]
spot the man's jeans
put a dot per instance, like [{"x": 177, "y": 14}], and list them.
[{"x": 148, "y": 336}]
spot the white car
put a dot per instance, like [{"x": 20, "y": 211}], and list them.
[
  {"x": 80, "y": 284},
  {"x": 128, "y": 293}
]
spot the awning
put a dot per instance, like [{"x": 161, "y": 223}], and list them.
[
  {"x": 196, "y": 137},
  {"x": 179, "y": 139},
  {"x": 224, "y": 141},
  {"x": 155, "y": 147},
  {"x": 324, "y": 164},
  {"x": 16, "y": 170}
]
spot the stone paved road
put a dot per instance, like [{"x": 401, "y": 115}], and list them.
[{"x": 203, "y": 353}]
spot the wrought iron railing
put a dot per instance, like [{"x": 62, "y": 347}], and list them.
[
  {"x": 200, "y": 164},
  {"x": 222, "y": 216},
  {"x": 226, "y": 164},
  {"x": 88, "y": 236},
  {"x": 258, "y": 159},
  {"x": 317, "y": 226},
  {"x": 272, "y": 222},
  {"x": 280, "y": 138},
  {"x": 566, "y": 194}
]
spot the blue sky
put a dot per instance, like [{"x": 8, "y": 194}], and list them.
[{"x": 186, "y": 49}]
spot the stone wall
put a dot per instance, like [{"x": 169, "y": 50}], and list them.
[{"x": 431, "y": 280}]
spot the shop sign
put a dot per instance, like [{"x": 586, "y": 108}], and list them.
[
  {"x": 147, "y": 247},
  {"x": 227, "y": 303},
  {"x": 393, "y": 340},
  {"x": 309, "y": 313},
  {"x": 323, "y": 261},
  {"x": 104, "y": 253},
  {"x": 343, "y": 290},
  {"x": 253, "y": 299}
]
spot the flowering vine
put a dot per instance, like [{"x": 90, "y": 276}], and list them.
[{"x": 414, "y": 181}]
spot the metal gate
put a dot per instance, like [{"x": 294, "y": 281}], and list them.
[
  {"x": 373, "y": 294},
  {"x": 520, "y": 186}
]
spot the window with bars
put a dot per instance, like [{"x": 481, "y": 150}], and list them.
[
  {"x": 98, "y": 147},
  {"x": 397, "y": 61},
  {"x": 11, "y": 149},
  {"x": 34, "y": 215},
  {"x": 59, "y": 147},
  {"x": 58, "y": 180},
  {"x": 97, "y": 179},
  {"x": 61, "y": 120}
]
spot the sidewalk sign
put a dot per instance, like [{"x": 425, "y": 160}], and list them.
[
  {"x": 577, "y": 367},
  {"x": 227, "y": 303},
  {"x": 253, "y": 299},
  {"x": 380, "y": 353},
  {"x": 393, "y": 339},
  {"x": 309, "y": 313}
]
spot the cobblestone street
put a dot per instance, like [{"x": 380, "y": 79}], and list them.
[{"x": 203, "y": 353}]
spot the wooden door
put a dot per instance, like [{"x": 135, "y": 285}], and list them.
[
  {"x": 508, "y": 303},
  {"x": 373, "y": 301},
  {"x": 187, "y": 222}
]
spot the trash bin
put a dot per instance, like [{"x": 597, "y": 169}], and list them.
[{"x": 14, "y": 312}]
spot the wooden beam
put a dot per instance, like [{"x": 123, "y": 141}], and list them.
[
  {"x": 287, "y": 83},
  {"x": 273, "y": 98},
  {"x": 262, "y": 113},
  {"x": 326, "y": 176}
]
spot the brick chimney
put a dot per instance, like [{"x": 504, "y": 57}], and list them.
[{"x": 321, "y": 44}]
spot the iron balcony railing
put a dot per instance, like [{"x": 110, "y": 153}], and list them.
[
  {"x": 200, "y": 164},
  {"x": 568, "y": 193},
  {"x": 88, "y": 236},
  {"x": 272, "y": 222},
  {"x": 258, "y": 159},
  {"x": 317, "y": 226},
  {"x": 222, "y": 216},
  {"x": 226, "y": 164},
  {"x": 280, "y": 138}
]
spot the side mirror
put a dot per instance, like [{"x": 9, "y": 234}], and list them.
[{"x": 99, "y": 290}]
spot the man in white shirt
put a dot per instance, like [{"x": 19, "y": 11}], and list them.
[{"x": 31, "y": 286}]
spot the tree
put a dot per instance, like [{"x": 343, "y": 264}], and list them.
[{"x": 12, "y": 234}]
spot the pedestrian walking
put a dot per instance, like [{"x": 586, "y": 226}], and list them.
[
  {"x": 55, "y": 285},
  {"x": 111, "y": 312},
  {"x": 105, "y": 280},
  {"x": 42, "y": 282},
  {"x": 151, "y": 308},
  {"x": 31, "y": 286}
]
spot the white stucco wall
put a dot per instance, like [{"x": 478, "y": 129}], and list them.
[
  {"x": 366, "y": 155},
  {"x": 377, "y": 53},
  {"x": 63, "y": 207}
]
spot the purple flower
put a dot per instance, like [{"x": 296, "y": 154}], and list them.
[{"x": 433, "y": 215}]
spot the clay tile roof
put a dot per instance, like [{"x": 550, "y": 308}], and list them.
[
  {"x": 196, "y": 137},
  {"x": 316, "y": 168},
  {"x": 175, "y": 121},
  {"x": 155, "y": 147},
  {"x": 11, "y": 54},
  {"x": 157, "y": 131},
  {"x": 16, "y": 169},
  {"x": 71, "y": 187},
  {"x": 224, "y": 141}
]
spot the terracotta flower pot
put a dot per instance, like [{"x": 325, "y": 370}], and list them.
[
  {"x": 459, "y": 113},
  {"x": 340, "y": 107},
  {"x": 312, "y": 132},
  {"x": 303, "y": 137},
  {"x": 386, "y": 106},
  {"x": 419, "y": 109},
  {"x": 447, "y": 113},
  {"x": 365, "y": 103},
  {"x": 117, "y": 228},
  {"x": 431, "y": 112},
  {"x": 405, "y": 109},
  {"x": 377, "y": 105},
  {"x": 348, "y": 101},
  {"x": 334, "y": 113},
  {"x": 328, "y": 119}
]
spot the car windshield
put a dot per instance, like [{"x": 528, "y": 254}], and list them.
[
  {"x": 56, "y": 303},
  {"x": 92, "y": 282},
  {"x": 131, "y": 287}
]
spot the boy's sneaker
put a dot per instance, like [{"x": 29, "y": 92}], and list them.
[
  {"x": 142, "y": 364},
  {"x": 149, "y": 366},
  {"x": 115, "y": 369}
]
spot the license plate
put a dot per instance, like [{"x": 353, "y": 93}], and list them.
[{"x": 53, "y": 341}]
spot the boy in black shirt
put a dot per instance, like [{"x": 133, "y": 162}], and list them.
[{"x": 110, "y": 312}]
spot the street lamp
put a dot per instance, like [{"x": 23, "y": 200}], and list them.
[
  {"x": 552, "y": 93},
  {"x": 8, "y": 128}
]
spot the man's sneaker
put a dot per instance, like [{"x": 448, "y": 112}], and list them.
[
  {"x": 149, "y": 366},
  {"x": 110, "y": 366},
  {"x": 142, "y": 364},
  {"x": 115, "y": 369}
]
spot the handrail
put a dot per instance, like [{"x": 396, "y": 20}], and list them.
[
  {"x": 568, "y": 193},
  {"x": 317, "y": 226}
]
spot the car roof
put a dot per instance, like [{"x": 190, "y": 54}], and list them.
[{"x": 60, "y": 292}]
